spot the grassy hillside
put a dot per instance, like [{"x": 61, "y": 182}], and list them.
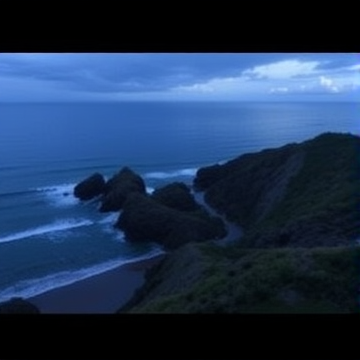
[
  {"x": 299, "y": 208},
  {"x": 298, "y": 195},
  {"x": 233, "y": 280}
]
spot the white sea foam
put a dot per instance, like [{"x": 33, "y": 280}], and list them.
[
  {"x": 171, "y": 174},
  {"x": 61, "y": 225},
  {"x": 59, "y": 195},
  {"x": 33, "y": 287},
  {"x": 110, "y": 219},
  {"x": 108, "y": 226},
  {"x": 150, "y": 190}
]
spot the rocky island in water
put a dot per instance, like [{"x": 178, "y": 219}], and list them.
[{"x": 270, "y": 232}]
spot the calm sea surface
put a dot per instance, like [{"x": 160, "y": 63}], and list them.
[{"x": 48, "y": 239}]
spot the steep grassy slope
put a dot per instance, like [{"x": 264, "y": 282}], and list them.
[
  {"x": 298, "y": 195},
  {"x": 203, "y": 278}
]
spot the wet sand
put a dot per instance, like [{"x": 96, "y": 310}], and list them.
[{"x": 104, "y": 293}]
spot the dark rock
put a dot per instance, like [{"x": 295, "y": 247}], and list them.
[
  {"x": 177, "y": 196},
  {"x": 18, "y": 306},
  {"x": 90, "y": 187},
  {"x": 124, "y": 183},
  {"x": 66, "y": 194},
  {"x": 144, "y": 219}
]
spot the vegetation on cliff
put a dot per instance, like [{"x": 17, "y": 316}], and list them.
[
  {"x": 204, "y": 278},
  {"x": 298, "y": 206},
  {"x": 300, "y": 195}
]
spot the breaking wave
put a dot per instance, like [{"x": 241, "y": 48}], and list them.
[
  {"x": 171, "y": 174},
  {"x": 46, "y": 229},
  {"x": 33, "y": 287}
]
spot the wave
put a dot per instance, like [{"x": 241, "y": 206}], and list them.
[
  {"x": 110, "y": 219},
  {"x": 18, "y": 193},
  {"x": 171, "y": 174},
  {"x": 59, "y": 195},
  {"x": 46, "y": 229},
  {"x": 15, "y": 167},
  {"x": 33, "y": 287},
  {"x": 150, "y": 190},
  {"x": 93, "y": 168}
]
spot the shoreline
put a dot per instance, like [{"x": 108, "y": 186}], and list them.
[{"x": 102, "y": 293}]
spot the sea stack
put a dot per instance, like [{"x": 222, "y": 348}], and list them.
[
  {"x": 119, "y": 187},
  {"x": 89, "y": 188}
]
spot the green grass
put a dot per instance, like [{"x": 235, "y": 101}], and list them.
[
  {"x": 263, "y": 274},
  {"x": 324, "y": 196},
  {"x": 319, "y": 280}
]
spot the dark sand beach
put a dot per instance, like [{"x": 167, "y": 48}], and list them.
[{"x": 100, "y": 294}]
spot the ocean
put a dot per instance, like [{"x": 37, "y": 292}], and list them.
[{"x": 49, "y": 239}]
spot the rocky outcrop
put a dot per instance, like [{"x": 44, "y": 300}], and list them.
[
  {"x": 89, "y": 188},
  {"x": 119, "y": 187},
  {"x": 176, "y": 196},
  {"x": 299, "y": 195},
  {"x": 18, "y": 306},
  {"x": 145, "y": 219}
]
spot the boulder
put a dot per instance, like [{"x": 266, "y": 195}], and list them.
[
  {"x": 117, "y": 189},
  {"x": 177, "y": 196},
  {"x": 18, "y": 306},
  {"x": 144, "y": 219},
  {"x": 89, "y": 188}
]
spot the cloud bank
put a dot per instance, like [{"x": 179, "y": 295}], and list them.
[{"x": 176, "y": 77}]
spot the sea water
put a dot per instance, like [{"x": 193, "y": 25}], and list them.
[{"x": 48, "y": 238}]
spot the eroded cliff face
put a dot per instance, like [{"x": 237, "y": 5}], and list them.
[{"x": 297, "y": 195}]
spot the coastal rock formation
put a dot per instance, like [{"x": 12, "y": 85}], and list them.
[
  {"x": 89, "y": 188},
  {"x": 145, "y": 219},
  {"x": 117, "y": 189},
  {"x": 299, "y": 195},
  {"x": 18, "y": 306},
  {"x": 176, "y": 196},
  {"x": 299, "y": 208}
]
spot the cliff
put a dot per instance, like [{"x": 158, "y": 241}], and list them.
[
  {"x": 300, "y": 195},
  {"x": 298, "y": 207}
]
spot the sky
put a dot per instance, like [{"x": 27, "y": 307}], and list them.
[{"x": 179, "y": 77}]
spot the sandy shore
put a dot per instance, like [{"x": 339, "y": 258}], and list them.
[{"x": 100, "y": 294}]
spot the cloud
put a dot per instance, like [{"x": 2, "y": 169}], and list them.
[
  {"x": 285, "y": 69},
  {"x": 328, "y": 84},
  {"x": 353, "y": 67},
  {"x": 225, "y": 84},
  {"x": 279, "y": 78},
  {"x": 279, "y": 90},
  {"x": 176, "y": 76}
]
